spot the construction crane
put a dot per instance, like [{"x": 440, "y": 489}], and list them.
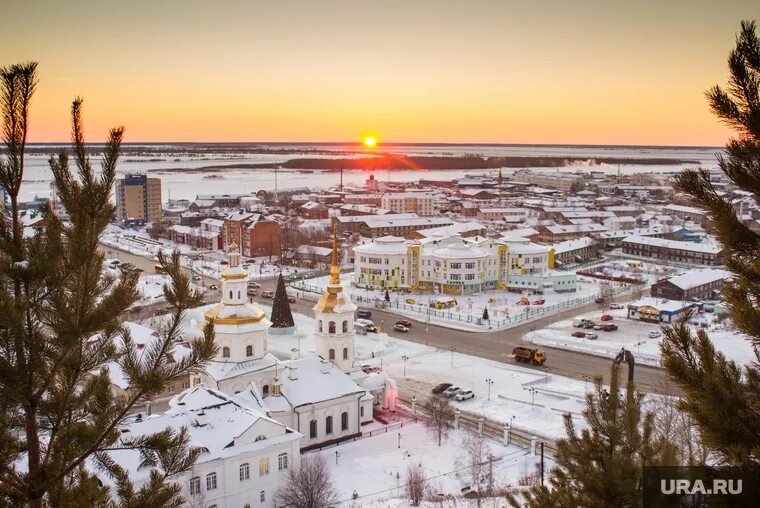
[{"x": 625, "y": 356}]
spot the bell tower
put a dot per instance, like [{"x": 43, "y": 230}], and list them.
[{"x": 334, "y": 334}]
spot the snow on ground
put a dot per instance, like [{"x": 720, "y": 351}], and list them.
[
  {"x": 634, "y": 336},
  {"x": 375, "y": 467},
  {"x": 505, "y": 309}
]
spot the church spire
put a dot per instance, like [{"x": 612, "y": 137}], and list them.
[{"x": 334, "y": 267}]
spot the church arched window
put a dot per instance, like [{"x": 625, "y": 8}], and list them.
[
  {"x": 345, "y": 326},
  {"x": 238, "y": 294},
  {"x": 328, "y": 425},
  {"x": 225, "y": 352},
  {"x": 345, "y": 353},
  {"x": 230, "y": 295},
  {"x": 332, "y": 354},
  {"x": 331, "y": 327},
  {"x": 320, "y": 326},
  {"x": 265, "y": 390},
  {"x": 249, "y": 350}
]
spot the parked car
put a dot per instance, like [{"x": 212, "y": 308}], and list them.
[
  {"x": 599, "y": 327},
  {"x": 364, "y": 314},
  {"x": 589, "y": 325},
  {"x": 367, "y": 324},
  {"x": 450, "y": 391},
  {"x": 252, "y": 284},
  {"x": 580, "y": 323},
  {"x": 400, "y": 328},
  {"x": 213, "y": 286},
  {"x": 440, "y": 388},
  {"x": 464, "y": 395},
  {"x": 599, "y": 300},
  {"x": 617, "y": 306},
  {"x": 592, "y": 336},
  {"x": 654, "y": 334},
  {"x": 610, "y": 327},
  {"x": 606, "y": 317},
  {"x": 252, "y": 291},
  {"x": 291, "y": 299},
  {"x": 268, "y": 293},
  {"x": 579, "y": 334},
  {"x": 404, "y": 322}
]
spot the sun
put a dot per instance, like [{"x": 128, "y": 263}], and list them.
[{"x": 370, "y": 142}]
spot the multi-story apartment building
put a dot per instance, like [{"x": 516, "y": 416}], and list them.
[
  {"x": 458, "y": 265},
  {"x": 561, "y": 181},
  {"x": 693, "y": 285},
  {"x": 421, "y": 203},
  {"x": 689, "y": 253},
  {"x": 391, "y": 225},
  {"x": 254, "y": 234},
  {"x": 138, "y": 200}
]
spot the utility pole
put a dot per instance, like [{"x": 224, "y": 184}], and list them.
[{"x": 542, "y": 462}]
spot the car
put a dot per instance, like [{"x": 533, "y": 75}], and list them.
[
  {"x": 592, "y": 336},
  {"x": 539, "y": 302},
  {"x": 268, "y": 293},
  {"x": 464, "y": 395},
  {"x": 291, "y": 299},
  {"x": 440, "y": 388},
  {"x": 610, "y": 327},
  {"x": 410, "y": 301},
  {"x": 252, "y": 292},
  {"x": 654, "y": 334},
  {"x": 599, "y": 300},
  {"x": 450, "y": 391},
  {"x": 252, "y": 284},
  {"x": 616, "y": 306},
  {"x": 213, "y": 286},
  {"x": 364, "y": 314},
  {"x": 196, "y": 277},
  {"x": 599, "y": 327},
  {"x": 589, "y": 325},
  {"x": 367, "y": 324},
  {"x": 404, "y": 322},
  {"x": 579, "y": 334},
  {"x": 400, "y": 328},
  {"x": 606, "y": 317}
]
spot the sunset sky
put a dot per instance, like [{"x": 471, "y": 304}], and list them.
[{"x": 591, "y": 72}]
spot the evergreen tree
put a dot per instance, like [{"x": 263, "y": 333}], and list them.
[
  {"x": 486, "y": 317},
  {"x": 282, "y": 317},
  {"x": 602, "y": 466},
  {"x": 61, "y": 325},
  {"x": 721, "y": 397}
]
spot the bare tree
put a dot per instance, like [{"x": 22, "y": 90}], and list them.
[
  {"x": 474, "y": 460},
  {"x": 678, "y": 427},
  {"x": 441, "y": 414},
  {"x": 416, "y": 485},
  {"x": 308, "y": 486},
  {"x": 605, "y": 295}
]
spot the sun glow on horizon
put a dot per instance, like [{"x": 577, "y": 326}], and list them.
[{"x": 370, "y": 141}]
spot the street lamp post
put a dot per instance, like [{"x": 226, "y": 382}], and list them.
[
  {"x": 452, "y": 349},
  {"x": 489, "y": 382},
  {"x": 533, "y": 397},
  {"x": 546, "y": 375},
  {"x": 399, "y": 440},
  {"x": 405, "y": 358}
]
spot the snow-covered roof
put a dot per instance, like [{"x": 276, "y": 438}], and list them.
[
  {"x": 580, "y": 228},
  {"x": 388, "y": 245},
  {"x": 461, "y": 251},
  {"x": 313, "y": 249},
  {"x": 696, "y": 278},
  {"x": 685, "y": 209},
  {"x": 574, "y": 244},
  {"x": 317, "y": 380},
  {"x": 708, "y": 248},
  {"x": 660, "y": 304}
]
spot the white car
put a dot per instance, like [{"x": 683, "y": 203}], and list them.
[
  {"x": 464, "y": 395},
  {"x": 616, "y": 306},
  {"x": 655, "y": 334},
  {"x": 450, "y": 391}
]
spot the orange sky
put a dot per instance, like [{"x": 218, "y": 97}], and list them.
[{"x": 596, "y": 72}]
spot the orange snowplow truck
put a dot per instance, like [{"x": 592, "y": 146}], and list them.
[{"x": 528, "y": 355}]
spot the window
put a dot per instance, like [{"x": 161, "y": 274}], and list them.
[
  {"x": 211, "y": 481},
  {"x": 245, "y": 472},
  {"x": 345, "y": 326},
  {"x": 345, "y": 353},
  {"x": 264, "y": 466},
  {"x": 456, "y": 266},
  {"x": 344, "y": 421},
  {"x": 328, "y": 425},
  {"x": 282, "y": 461},
  {"x": 195, "y": 485},
  {"x": 225, "y": 352},
  {"x": 230, "y": 295},
  {"x": 320, "y": 326},
  {"x": 331, "y": 327},
  {"x": 249, "y": 350},
  {"x": 332, "y": 354},
  {"x": 313, "y": 429},
  {"x": 265, "y": 390},
  {"x": 238, "y": 294},
  {"x": 361, "y": 411},
  {"x": 262, "y": 496}
]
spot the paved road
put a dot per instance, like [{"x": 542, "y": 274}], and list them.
[{"x": 492, "y": 345}]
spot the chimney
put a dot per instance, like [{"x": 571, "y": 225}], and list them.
[
  {"x": 293, "y": 373},
  {"x": 325, "y": 366},
  {"x": 294, "y": 354},
  {"x": 276, "y": 387}
]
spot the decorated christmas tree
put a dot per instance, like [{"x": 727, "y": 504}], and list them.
[{"x": 281, "y": 315}]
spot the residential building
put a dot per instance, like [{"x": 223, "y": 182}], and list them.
[
  {"x": 313, "y": 256},
  {"x": 657, "y": 310},
  {"x": 692, "y": 285},
  {"x": 138, "y": 200},
  {"x": 347, "y": 225},
  {"x": 255, "y": 234},
  {"x": 688, "y": 253},
  {"x": 392, "y": 225},
  {"x": 559, "y": 233},
  {"x": 421, "y": 203},
  {"x": 578, "y": 250}
]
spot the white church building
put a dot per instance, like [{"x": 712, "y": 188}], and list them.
[{"x": 325, "y": 397}]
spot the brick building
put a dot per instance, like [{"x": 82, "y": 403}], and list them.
[{"x": 255, "y": 234}]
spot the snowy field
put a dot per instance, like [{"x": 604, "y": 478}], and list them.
[
  {"x": 505, "y": 309},
  {"x": 634, "y": 336},
  {"x": 375, "y": 467}
]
